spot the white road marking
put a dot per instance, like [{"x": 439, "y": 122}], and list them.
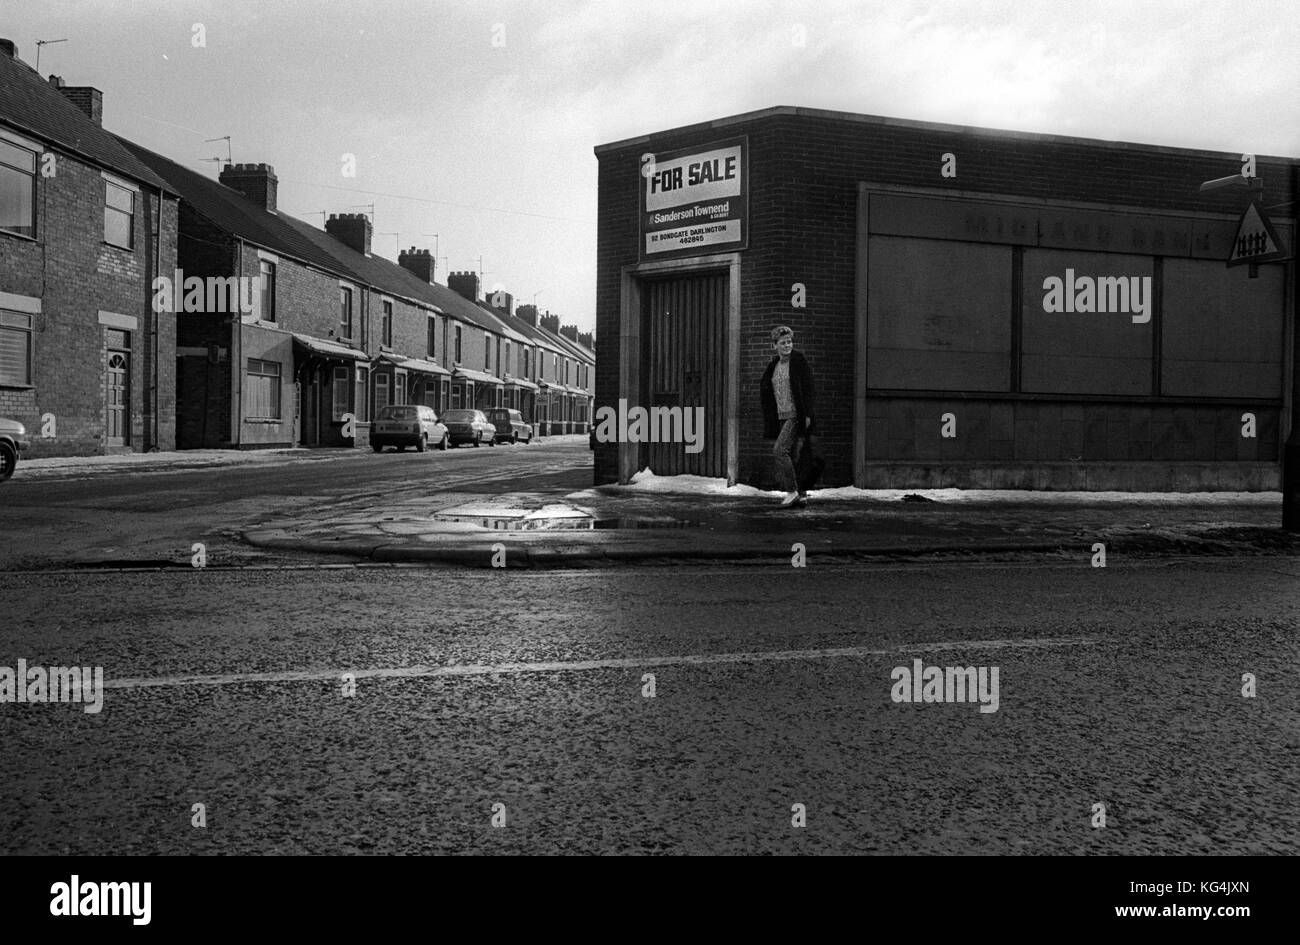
[{"x": 578, "y": 666}]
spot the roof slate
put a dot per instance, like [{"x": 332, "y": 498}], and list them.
[{"x": 32, "y": 106}]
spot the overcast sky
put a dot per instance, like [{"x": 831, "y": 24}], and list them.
[{"x": 476, "y": 121}]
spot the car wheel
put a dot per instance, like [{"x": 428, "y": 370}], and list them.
[
  {"x": 478, "y": 440},
  {"x": 443, "y": 444},
  {"x": 377, "y": 447},
  {"x": 8, "y": 460},
  {"x": 423, "y": 444},
  {"x": 514, "y": 439},
  {"x": 493, "y": 441}
]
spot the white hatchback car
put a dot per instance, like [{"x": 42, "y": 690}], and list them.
[{"x": 403, "y": 425}]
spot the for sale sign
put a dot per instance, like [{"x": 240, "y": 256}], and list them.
[{"x": 694, "y": 202}]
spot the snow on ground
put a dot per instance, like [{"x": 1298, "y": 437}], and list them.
[
  {"x": 160, "y": 460},
  {"x": 647, "y": 482}
]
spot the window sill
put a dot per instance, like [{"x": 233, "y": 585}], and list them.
[
  {"x": 4, "y": 385},
  {"x": 129, "y": 250},
  {"x": 19, "y": 236},
  {"x": 261, "y": 420}
]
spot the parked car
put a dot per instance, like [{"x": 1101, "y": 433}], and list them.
[
  {"x": 13, "y": 443},
  {"x": 510, "y": 425},
  {"x": 469, "y": 426},
  {"x": 403, "y": 425}
]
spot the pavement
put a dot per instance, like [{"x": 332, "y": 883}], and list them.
[{"x": 615, "y": 524}]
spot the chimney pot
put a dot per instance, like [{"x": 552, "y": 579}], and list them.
[
  {"x": 257, "y": 182},
  {"x": 351, "y": 229},
  {"x": 88, "y": 99},
  {"x": 8, "y": 48}
]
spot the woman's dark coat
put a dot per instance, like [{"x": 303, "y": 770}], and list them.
[{"x": 801, "y": 387}]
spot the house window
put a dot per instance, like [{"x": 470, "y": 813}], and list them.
[
  {"x": 263, "y": 390},
  {"x": 432, "y": 340},
  {"x": 341, "y": 376},
  {"x": 458, "y": 344},
  {"x": 386, "y": 325},
  {"x": 119, "y": 215},
  {"x": 399, "y": 387},
  {"x": 17, "y": 189},
  {"x": 382, "y": 396},
  {"x": 566, "y": 370},
  {"x": 363, "y": 382},
  {"x": 345, "y": 312},
  {"x": 487, "y": 351},
  {"x": 15, "y": 348},
  {"x": 268, "y": 291},
  {"x": 505, "y": 365}
]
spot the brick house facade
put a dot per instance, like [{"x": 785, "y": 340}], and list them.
[{"x": 85, "y": 362}]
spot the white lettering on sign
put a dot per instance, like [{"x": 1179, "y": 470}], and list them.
[{"x": 707, "y": 176}]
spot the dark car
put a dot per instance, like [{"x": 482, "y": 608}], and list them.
[
  {"x": 469, "y": 426},
  {"x": 13, "y": 442},
  {"x": 510, "y": 425},
  {"x": 404, "y": 425}
]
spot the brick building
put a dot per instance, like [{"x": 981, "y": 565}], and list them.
[
  {"x": 979, "y": 308},
  {"x": 332, "y": 330},
  {"x": 85, "y": 362}
]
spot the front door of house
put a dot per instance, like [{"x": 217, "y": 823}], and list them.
[{"x": 117, "y": 399}]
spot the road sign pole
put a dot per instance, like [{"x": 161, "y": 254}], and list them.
[{"x": 1291, "y": 451}]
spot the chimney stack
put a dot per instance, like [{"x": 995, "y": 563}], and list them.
[
  {"x": 464, "y": 284},
  {"x": 257, "y": 182},
  {"x": 418, "y": 262},
  {"x": 88, "y": 99},
  {"x": 585, "y": 339},
  {"x": 353, "y": 230},
  {"x": 505, "y": 298},
  {"x": 8, "y": 48},
  {"x": 570, "y": 332},
  {"x": 551, "y": 323},
  {"x": 528, "y": 313}
]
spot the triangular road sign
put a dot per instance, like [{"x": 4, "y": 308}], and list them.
[{"x": 1256, "y": 240}]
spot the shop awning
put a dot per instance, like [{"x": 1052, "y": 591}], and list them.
[
  {"x": 328, "y": 349},
  {"x": 420, "y": 365},
  {"x": 478, "y": 377}
]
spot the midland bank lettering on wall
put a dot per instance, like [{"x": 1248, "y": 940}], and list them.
[{"x": 694, "y": 201}]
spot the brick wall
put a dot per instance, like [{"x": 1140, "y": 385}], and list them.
[
  {"x": 804, "y": 175},
  {"x": 77, "y": 275}
]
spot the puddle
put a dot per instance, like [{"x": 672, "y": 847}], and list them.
[{"x": 552, "y": 518}]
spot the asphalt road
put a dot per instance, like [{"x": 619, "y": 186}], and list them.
[
  {"x": 88, "y": 515},
  {"x": 1119, "y": 686}
]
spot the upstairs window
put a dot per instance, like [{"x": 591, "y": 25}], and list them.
[
  {"x": 17, "y": 189},
  {"x": 386, "y": 325},
  {"x": 345, "y": 312},
  {"x": 119, "y": 215},
  {"x": 431, "y": 341},
  {"x": 487, "y": 351},
  {"x": 458, "y": 344},
  {"x": 268, "y": 290}
]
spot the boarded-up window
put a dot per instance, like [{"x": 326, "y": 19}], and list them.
[
  {"x": 1086, "y": 352},
  {"x": 1223, "y": 331},
  {"x": 939, "y": 315}
]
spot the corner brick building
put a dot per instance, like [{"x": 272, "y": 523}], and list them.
[
  {"x": 914, "y": 262},
  {"x": 85, "y": 363}
]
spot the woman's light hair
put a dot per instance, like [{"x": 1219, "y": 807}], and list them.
[{"x": 780, "y": 331}]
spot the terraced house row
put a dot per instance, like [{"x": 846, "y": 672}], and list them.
[{"x": 146, "y": 306}]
